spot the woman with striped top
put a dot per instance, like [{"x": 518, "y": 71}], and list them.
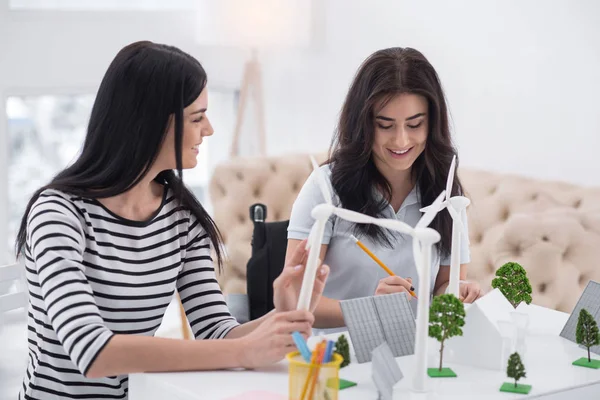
[{"x": 112, "y": 237}]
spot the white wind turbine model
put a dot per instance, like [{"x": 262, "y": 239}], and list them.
[
  {"x": 423, "y": 240},
  {"x": 455, "y": 206}
]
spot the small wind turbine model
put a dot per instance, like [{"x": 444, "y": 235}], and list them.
[
  {"x": 423, "y": 240},
  {"x": 455, "y": 206}
]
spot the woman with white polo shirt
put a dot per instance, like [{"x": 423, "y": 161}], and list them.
[{"x": 390, "y": 157}]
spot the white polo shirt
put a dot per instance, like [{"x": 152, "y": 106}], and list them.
[{"x": 353, "y": 273}]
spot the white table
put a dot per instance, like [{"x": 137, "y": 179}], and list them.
[{"x": 547, "y": 361}]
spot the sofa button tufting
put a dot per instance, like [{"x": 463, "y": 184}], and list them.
[
  {"x": 517, "y": 250},
  {"x": 478, "y": 238}
]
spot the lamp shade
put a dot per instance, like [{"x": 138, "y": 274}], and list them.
[{"x": 254, "y": 23}]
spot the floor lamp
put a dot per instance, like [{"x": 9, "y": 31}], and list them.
[
  {"x": 255, "y": 25},
  {"x": 251, "y": 83}
]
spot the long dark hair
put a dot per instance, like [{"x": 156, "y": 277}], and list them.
[
  {"x": 144, "y": 85},
  {"x": 383, "y": 75}
]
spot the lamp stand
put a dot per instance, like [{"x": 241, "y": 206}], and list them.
[{"x": 251, "y": 81}]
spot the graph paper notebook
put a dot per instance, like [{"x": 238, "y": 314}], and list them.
[{"x": 374, "y": 320}]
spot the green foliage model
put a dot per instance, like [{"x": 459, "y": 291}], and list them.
[
  {"x": 511, "y": 279},
  {"x": 446, "y": 318},
  {"x": 343, "y": 349},
  {"x": 515, "y": 368},
  {"x": 587, "y": 333}
]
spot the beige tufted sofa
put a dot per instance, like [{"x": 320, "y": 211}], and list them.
[{"x": 551, "y": 228}]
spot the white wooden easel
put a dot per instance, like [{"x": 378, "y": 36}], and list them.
[{"x": 252, "y": 80}]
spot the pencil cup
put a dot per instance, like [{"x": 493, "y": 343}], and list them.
[{"x": 313, "y": 381}]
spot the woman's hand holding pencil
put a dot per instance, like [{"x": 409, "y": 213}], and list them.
[{"x": 392, "y": 283}]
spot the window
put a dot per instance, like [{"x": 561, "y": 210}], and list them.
[{"x": 45, "y": 134}]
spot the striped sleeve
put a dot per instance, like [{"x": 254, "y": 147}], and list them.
[
  {"x": 56, "y": 244},
  {"x": 200, "y": 293}
]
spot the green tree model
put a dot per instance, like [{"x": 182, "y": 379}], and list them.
[
  {"x": 511, "y": 279},
  {"x": 343, "y": 349},
  {"x": 515, "y": 368},
  {"x": 587, "y": 331},
  {"x": 446, "y": 317}
]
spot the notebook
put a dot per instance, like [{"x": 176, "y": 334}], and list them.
[{"x": 374, "y": 320}]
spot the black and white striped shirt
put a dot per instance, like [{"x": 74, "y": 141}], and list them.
[{"x": 92, "y": 274}]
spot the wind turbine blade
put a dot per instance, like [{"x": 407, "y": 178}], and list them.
[
  {"x": 432, "y": 212},
  {"x": 417, "y": 255},
  {"x": 450, "y": 178},
  {"x": 308, "y": 280},
  {"x": 456, "y": 219},
  {"x": 395, "y": 225},
  {"x": 429, "y": 207},
  {"x": 311, "y": 236},
  {"x": 466, "y": 237},
  {"x": 321, "y": 181},
  {"x": 353, "y": 216},
  {"x": 356, "y": 217}
]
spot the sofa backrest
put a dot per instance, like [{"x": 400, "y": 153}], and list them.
[{"x": 551, "y": 228}]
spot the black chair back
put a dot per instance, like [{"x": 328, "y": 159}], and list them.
[{"x": 269, "y": 243}]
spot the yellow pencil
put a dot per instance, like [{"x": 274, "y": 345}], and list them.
[
  {"x": 313, "y": 362},
  {"x": 377, "y": 260}
]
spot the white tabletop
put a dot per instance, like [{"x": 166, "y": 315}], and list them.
[{"x": 547, "y": 361}]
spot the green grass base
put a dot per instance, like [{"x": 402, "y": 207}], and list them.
[
  {"x": 344, "y": 384},
  {"x": 444, "y": 373},
  {"x": 583, "y": 362},
  {"x": 510, "y": 387}
]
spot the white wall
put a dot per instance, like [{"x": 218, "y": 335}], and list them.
[{"x": 521, "y": 76}]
